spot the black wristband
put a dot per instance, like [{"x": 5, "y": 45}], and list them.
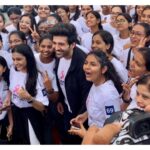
[{"x": 127, "y": 101}]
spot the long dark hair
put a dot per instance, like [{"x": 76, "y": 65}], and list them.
[
  {"x": 5, "y": 75},
  {"x": 32, "y": 73},
  {"x": 111, "y": 73},
  {"x": 98, "y": 16}
]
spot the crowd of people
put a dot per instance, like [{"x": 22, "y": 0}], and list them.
[{"x": 66, "y": 69}]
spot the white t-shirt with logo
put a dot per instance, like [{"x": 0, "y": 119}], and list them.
[
  {"x": 18, "y": 80},
  {"x": 63, "y": 68},
  {"x": 49, "y": 67},
  {"x": 3, "y": 94},
  {"x": 102, "y": 101}
]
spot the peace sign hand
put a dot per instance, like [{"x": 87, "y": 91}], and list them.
[
  {"x": 47, "y": 81},
  {"x": 34, "y": 33}
]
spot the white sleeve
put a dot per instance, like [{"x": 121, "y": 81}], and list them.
[
  {"x": 41, "y": 92},
  {"x": 112, "y": 103}
]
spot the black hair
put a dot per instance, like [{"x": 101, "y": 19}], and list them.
[
  {"x": 88, "y": 5},
  {"x": 33, "y": 23},
  {"x": 98, "y": 16},
  {"x": 56, "y": 16},
  {"x": 122, "y": 7},
  {"x": 5, "y": 75},
  {"x": 144, "y": 80},
  {"x": 111, "y": 73},
  {"x": 126, "y": 16},
  {"x": 145, "y": 52},
  {"x": 107, "y": 38},
  {"x": 20, "y": 34},
  {"x": 65, "y": 29},
  {"x": 48, "y": 36},
  {"x": 77, "y": 14},
  {"x": 3, "y": 30},
  {"x": 147, "y": 7},
  {"x": 32, "y": 73},
  {"x": 13, "y": 10},
  {"x": 1, "y": 40},
  {"x": 146, "y": 27}
]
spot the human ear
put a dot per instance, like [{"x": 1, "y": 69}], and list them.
[{"x": 104, "y": 69}]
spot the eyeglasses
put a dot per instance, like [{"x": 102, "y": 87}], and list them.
[
  {"x": 136, "y": 33},
  {"x": 14, "y": 42},
  {"x": 120, "y": 21}
]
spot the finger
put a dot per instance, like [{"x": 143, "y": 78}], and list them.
[
  {"x": 30, "y": 29},
  {"x": 34, "y": 28},
  {"x": 46, "y": 73}
]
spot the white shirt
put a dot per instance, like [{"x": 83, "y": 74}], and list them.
[
  {"x": 5, "y": 41},
  {"x": 120, "y": 69},
  {"x": 18, "y": 80},
  {"x": 109, "y": 28},
  {"x": 3, "y": 94},
  {"x": 7, "y": 56},
  {"x": 101, "y": 102},
  {"x": 119, "y": 45},
  {"x": 63, "y": 68},
  {"x": 83, "y": 25},
  {"x": 49, "y": 67},
  {"x": 86, "y": 40},
  {"x": 11, "y": 28},
  {"x": 124, "y": 56}
]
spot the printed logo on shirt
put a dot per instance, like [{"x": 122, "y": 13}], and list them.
[
  {"x": 109, "y": 109},
  {"x": 44, "y": 92}
]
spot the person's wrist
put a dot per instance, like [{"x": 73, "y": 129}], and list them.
[
  {"x": 127, "y": 101},
  {"x": 50, "y": 91},
  {"x": 30, "y": 99}
]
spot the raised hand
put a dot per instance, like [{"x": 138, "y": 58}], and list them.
[{"x": 34, "y": 33}]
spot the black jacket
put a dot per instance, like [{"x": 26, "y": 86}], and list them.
[{"x": 77, "y": 87}]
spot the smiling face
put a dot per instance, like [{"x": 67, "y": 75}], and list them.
[
  {"x": 43, "y": 11},
  {"x": 45, "y": 48},
  {"x": 143, "y": 96},
  {"x": 98, "y": 43},
  {"x": 62, "y": 47},
  {"x": 93, "y": 69},
  {"x": 24, "y": 24},
  {"x": 91, "y": 20},
  {"x": 14, "y": 40},
  {"x": 137, "y": 65},
  {"x": 137, "y": 33},
  {"x": 19, "y": 62},
  {"x": 146, "y": 16}
]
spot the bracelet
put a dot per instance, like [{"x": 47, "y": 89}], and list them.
[{"x": 127, "y": 101}]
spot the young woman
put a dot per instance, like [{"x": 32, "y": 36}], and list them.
[
  {"x": 140, "y": 65},
  {"x": 139, "y": 37},
  {"x": 123, "y": 25},
  {"x": 93, "y": 21},
  {"x": 118, "y": 133},
  {"x": 4, "y": 102},
  {"x": 138, "y": 13},
  {"x": 103, "y": 98},
  {"x": 63, "y": 12},
  {"x": 145, "y": 16},
  {"x": 14, "y": 14},
  {"x": 3, "y": 32},
  {"x": 111, "y": 26},
  {"x": 43, "y": 12},
  {"x": 16, "y": 38},
  {"x": 28, "y": 96},
  {"x": 103, "y": 40},
  {"x": 45, "y": 63},
  {"x": 27, "y": 25}
]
